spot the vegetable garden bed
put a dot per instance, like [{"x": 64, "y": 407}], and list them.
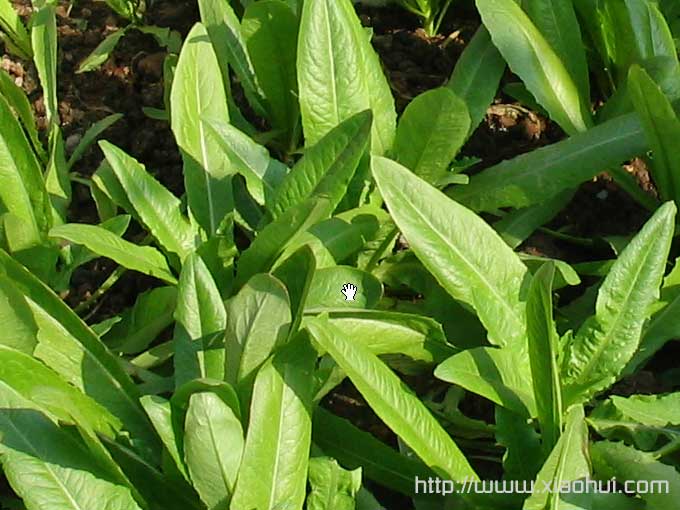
[{"x": 287, "y": 254}]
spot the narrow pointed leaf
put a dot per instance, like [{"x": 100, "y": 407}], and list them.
[
  {"x": 273, "y": 472},
  {"x": 463, "y": 253},
  {"x": 393, "y": 402}
]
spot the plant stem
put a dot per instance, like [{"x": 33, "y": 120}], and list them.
[{"x": 104, "y": 287}]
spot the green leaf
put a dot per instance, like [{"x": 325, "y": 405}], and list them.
[
  {"x": 530, "y": 56},
  {"x": 605, "y": 343},
  {"x": 325, "y": 292},
  {"x": 17, "y": 99},
  {"x": 263, "y": 174},
  {"x": 201, "y": 320},
  {"x": 359, "y": 449},
  {"x": 258, "y": 320},
  {"x": 11, "y": 25},
  {"x": 567, "y": 462},
  {"x": 102, "y": 52},
  {"x": 662, "y": 325},
  {"x": 430, "y": 133},
  {"x": 69, "y": 347},
  {"x": 518, "y": 225},
  {"x": 296, "y": 273},
  {"x": 273, "y": 240},
  {"x": 227, "y": 39},
  {"x": 523, "y": 456},
  {"x": 44, "y": 42},
  {"x": 327, "y": 167},
  {"x": 393, "y": 402},
  {"x": 477, "y": 74},
  {"x": 270, "y": 28},
  {"x": 273, "y": 472},
  {"x": 521, "y": 181},
  {"x": 160, "y": 414},
  {"x": 139, "y": 326},
  {"x": 463, "y": 253},
  {"x": 394, "y": 335},
  {"x": 41, "y": 385},
  {"x": 20, "y": 331},
  {"x": 332, "y": 47},
  {"x": 332, "y": 488},
  {"x": 23, "y": 194},
  {"x": 628, "y": 464},
  {"x": 145, "y": 259},
  {"x": 652, "y": 410},
  {"x": 48, "y": 468},
  {"x": 213, "y": 445},
  {"x": 153, "y": 204},
  {"x": 556, "y": 20},
  {"x": 662, "y": 129},
  {"x": 543, "y": 340},
  {"x": 501, "y": 375},
  {"x": 91, "y": 135},
  {"x": 197, "y": 92}
]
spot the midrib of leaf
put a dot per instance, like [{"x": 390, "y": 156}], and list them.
[
  {"x": 594, "y": 358},
  {"x": 46, "y": 465},
  {"x": 204, "y": 156},
  {"x": 555, "y": 499},
  {"x": 501, "y": 299},
  {"x": 217, "y": 452},
  {"x": 275, "y": 470},
  {"x": 329, "y": 34}
]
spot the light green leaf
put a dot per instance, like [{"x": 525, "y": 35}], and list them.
[
  {"x": 38, "y": 383},
  {"x": 16, "y": 33},
  {"x": 327, "y": 167},
  {"x": 153, "y": 204},
  {"x": 263, "y": 174},
  {"x": 556, "y": 20},
  {"x": 530, "y": 56},
  {"x": 44, "y": 42},
  {"x": 332, "y": 47},
  {"x": 273, "y": 240},
  {"x": 69, "y": 347},
  {"x": 225, "y": 33},
  {"x": 393, "y": 402},
  {"x": 201, "y": 320},
  {"x": 325, "y": 292},
  {"x": 270, "y": 28},
  {"x": 145, "y": 259},
  {"x": 567, "y": 462},
  {"x": 19, "y": 102},
  {"x": 197, "y": 92},
  {"x": 332, "y": 488},
  {"x": 160, "y": 414},
  {"x": 430, "y": 133},
  {"x": 628, "y": 464},
  {"x": 91, "y": 135},
  {"x": 213, "y": 444},
  {"x": 258, "y": 320},
  {"x": 477, "y": 74},
  {"x": 662, "y": 130},
  {"x": 606, "y": 342},
  {"x": 102, "y": 52},
  {"x": 139, "y": 326},
  {"x": 296, "y": 274},
  {"x": 48, "y": 468},
  {"x": 464, "y": 254},
  {"x": 20, "y": 331},
  {"x": 543, "y": 340},
  {"x": 523, "y": 180},
  {"x": 501, "y": 375},
  {"x": 23, "y": 193},
  {"x": 273, "y": 471}
]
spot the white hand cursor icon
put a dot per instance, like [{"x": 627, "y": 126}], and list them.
[{"x": 349, "y": 290}]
